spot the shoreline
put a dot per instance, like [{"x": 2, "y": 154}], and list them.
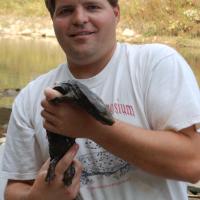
[{"x": 41, "y": 27}]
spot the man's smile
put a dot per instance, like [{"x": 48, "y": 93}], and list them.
[{"x": 81, "y": 33}]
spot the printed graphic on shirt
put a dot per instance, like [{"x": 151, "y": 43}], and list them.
[
  {"x": 121, "y": 109},
  {"x": 100, "y": 162}
]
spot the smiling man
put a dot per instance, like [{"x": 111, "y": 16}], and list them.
[
  {"x": 86, "y": 30},
  {"x": 150, "y": 152}
]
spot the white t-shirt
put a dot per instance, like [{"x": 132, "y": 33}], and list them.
[{"x": 149, "y": 86}]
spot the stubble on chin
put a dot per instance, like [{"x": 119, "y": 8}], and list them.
[{"x": 80, "y": 53}]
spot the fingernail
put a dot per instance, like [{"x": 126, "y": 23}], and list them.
[{"x": 76, "y": 147}]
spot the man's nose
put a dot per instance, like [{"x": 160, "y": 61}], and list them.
[{"x": 80, "y": 16}]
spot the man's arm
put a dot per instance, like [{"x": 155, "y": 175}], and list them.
[
  {"x": 170, "y": 154},
  {"x": 173, "y": 155}
]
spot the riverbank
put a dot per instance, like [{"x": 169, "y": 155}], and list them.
[
  {"x": 5, "y": 114},
  {"x": 41, "y": 27}
]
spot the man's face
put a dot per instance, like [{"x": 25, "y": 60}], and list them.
[{"x": 85, "y": 29}]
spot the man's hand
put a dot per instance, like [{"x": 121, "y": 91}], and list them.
[
  {"x": 66, "y": 118},
  {"x": 45, "y": 191}
]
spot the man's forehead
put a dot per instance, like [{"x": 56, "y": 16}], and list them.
[{"x": 79, "y": 1}]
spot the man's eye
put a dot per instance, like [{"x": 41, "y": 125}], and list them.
[
  {"x": 66, "y": 11},
  {"x": 93, "y": 7}
]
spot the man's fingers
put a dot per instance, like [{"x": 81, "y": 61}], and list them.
[
  {"x": 67, "y": 159},
  {"x": 78, "y": 169},
  {"x": 74, "y": 188},
  {"x": 49, "y": 117},
  {"x": 45, "y": 165},
  {"x": 43, "y": 170},
  {"x": 49, "y": 107},
  {"x": 51, "y": 93}
]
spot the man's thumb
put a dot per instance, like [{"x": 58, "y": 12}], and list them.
[{"x": 51, "y": 93}]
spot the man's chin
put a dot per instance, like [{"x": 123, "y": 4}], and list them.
[{"x": 81, "y": 53}]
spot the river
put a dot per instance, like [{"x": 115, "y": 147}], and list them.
[{"x": 23, "y": 59}]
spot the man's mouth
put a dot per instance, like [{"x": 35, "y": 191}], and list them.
[{"x": 82, "y": 33}]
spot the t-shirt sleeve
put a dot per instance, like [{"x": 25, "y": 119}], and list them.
[
  {"x": 172, "y": 95},
  {"x": 22, "y": 156}
]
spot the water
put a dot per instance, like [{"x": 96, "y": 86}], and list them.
[{"x": 23, "y": 59}]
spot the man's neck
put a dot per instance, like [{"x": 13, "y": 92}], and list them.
[{"x": 84, "y": 70}]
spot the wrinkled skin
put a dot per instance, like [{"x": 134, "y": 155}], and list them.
[{"x": 79, "y": 94}]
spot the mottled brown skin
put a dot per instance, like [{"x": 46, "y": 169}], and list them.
[{"x": 77, "y": 93}]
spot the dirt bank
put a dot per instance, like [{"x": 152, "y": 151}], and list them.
[
  {"x": 42, "y": 27},
  {"x": 4, "y": 117}
]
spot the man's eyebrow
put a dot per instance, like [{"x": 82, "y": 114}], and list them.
[
  {"x": 65, "y": 6},
  {"x": 91, "y": 2},
  {"x": 72, "y": 5}
]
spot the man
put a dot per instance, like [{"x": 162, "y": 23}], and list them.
[{"x": 150, "y": 151}]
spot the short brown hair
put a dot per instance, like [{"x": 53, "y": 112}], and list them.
[{"x": 50, "y": 4}]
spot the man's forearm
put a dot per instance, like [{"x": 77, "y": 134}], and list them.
[{"x": 163, "y": 153}]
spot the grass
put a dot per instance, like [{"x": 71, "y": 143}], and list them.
[
  {"x": 158, "y": 17},
  {"x": 23, "y": 7},
  {"x": 147, "y": 17}
]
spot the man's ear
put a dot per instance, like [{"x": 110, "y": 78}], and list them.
[{"x": 116, "y": 10}]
